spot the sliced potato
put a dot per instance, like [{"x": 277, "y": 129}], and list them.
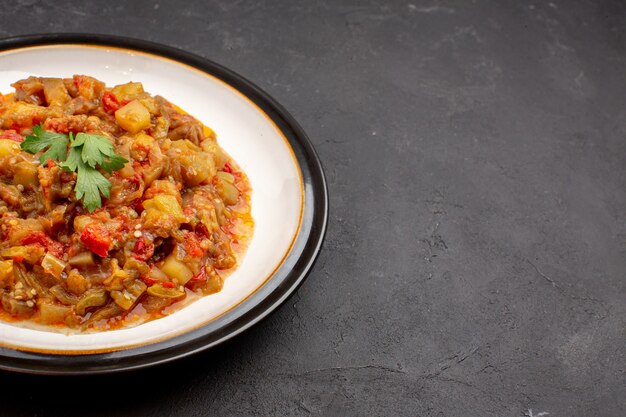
[
  {"x": 6, "y": 273},
  {"x": 82, "y": 259},
  {"x": 176, "y": 270},
  {"x": 128, "y": 91},
  {"x": 51, "y": 313},
  {"x": 26, "y": 174},
  {"x": 166, "y": 204},
  {"x": 141, "y": 146},
  {"x": 55, "y": 92},
  {"x": 9, "y": 147},
  {"x": 133, "y": 117}
]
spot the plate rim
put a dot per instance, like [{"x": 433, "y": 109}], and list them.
[{"x": 258, "y": 305}]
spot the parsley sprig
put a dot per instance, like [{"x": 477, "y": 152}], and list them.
[
  {"x": 42, "y": 139},
  {"x": 87, "y": 153}
]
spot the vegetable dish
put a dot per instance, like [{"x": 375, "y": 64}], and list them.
[{"x": 116, "y": 207}]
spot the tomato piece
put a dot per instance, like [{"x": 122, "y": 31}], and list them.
[
  {"x": 40, "y": 238},
  {"x": 143, "y": 250},
  {"x": 148, "y": 281},
  {"x": 227, "y": 168},
  {"x": 12, "y": 135},
  {"x": 35, "y": 237},
  {"x": 192, "y": 245},
  {"x": 110, "y": 103},
  {"x": 97, "y": 239},
  {"x": 61, "y": 126},
  {"x": 168, "y": 284}
]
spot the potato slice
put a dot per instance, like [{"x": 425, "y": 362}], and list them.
[
  {"x": 176, "y": 270},
  {"x": 133, "y": 117},
  {"x": 52, "y": 313},
  {"x": 9, "y": 147},
  {"x": 128, "y": 91}
]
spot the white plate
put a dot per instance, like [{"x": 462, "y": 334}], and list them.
[{"x": 260, "y": 136}]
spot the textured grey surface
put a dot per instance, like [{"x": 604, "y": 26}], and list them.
[{"x": 475, "y": 259}]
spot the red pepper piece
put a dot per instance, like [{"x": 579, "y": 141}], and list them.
[
  {"x": 227, "y": 168},
  {"x": 143, "y": 250},
  {"x": 36, "y": 237},
  {"x": 110, "y": 103},
  {"x": 148, "y": 281},
  {"x": 40, "y": 238},
  {"x": 96, "y": 238},
  {"x": 168, "y": 284}
]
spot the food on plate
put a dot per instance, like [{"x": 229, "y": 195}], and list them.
[{"x": 116, "y": 207}]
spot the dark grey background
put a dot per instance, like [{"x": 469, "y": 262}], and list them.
[{"x": 475, "y": 257}]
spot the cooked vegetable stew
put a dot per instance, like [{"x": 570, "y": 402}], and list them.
[{"x": 116, "y": 207}]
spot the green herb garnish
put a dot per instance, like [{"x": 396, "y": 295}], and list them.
[
  {"x": 41, "y": 139},
  {"x": 86, "y": 154}
]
